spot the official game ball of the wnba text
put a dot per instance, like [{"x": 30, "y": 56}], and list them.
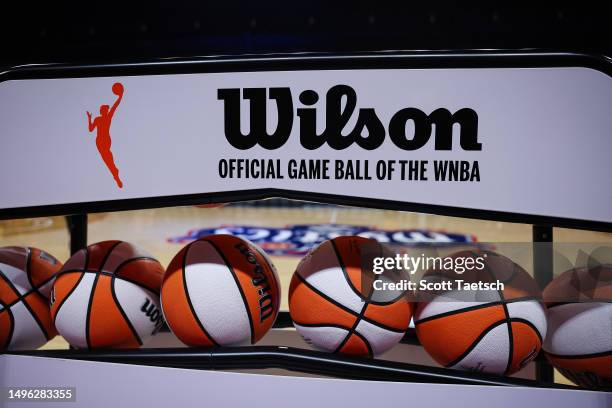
[
  {"x": 579, "y": 339},
  {"x": 117, "y": 88},
  {"x": 26, "y": 276},
  {"x": 490, "y": 330},
  {"x": 107, "y": 296},
  {"x": 333, "y": 306},
  {"x": 220, "y": 290}
]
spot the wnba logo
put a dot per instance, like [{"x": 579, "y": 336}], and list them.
[
  {"x": 102, "y": 126},
  {"x": 340, "y": 107}
]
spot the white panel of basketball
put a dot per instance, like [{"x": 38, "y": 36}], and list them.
[
  {"x": 328, "y": 338},
  {"x": 380, "y": 339},
  {"x": 495, "y": 343},
  {"x": 579, "y": 329},
  {"x": 27, "y": 334},
  {"x": 132, "y": 299},
  {"x": 215, "y": 295},
  {"x": 440, "y": 306},
  {"x": 327, "y": 278},
  {"x": 70, "y": 320},
  {"x": 530, "y": 310},
  {"x": 17, "y": 277}
]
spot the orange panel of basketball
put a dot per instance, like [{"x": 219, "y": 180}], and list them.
[
  {"x": 330, "y": 306},
  {"x": 26, "y": 276},
  {"x": 220, "y": 290},
  {"x": 107, "y": 296}
]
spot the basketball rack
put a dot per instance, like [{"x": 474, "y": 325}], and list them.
[
  {"x": 302, "y": 360},
  {"x": 295, "y": 359}
]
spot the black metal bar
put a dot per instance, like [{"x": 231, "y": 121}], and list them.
[
  {"x": 289, "y": 358},
  {"x": 543, "y": 274},
  {"x": 77, "y": 228},
  {"x": 258, "y": 194}
]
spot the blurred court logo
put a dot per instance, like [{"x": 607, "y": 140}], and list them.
[
  {"x": 102, "y": 126},
  {"x": 297, "y": 240}
]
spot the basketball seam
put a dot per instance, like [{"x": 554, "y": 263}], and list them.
[
  {"x": 343, "y": 268},
  {"x": 473, "y": 345},
  {"x": 551, "y": 306},
  {"x": 535, "y": 329},
  {"x": 471, "y": 308},
  {"x": 528, "y": 323},
  {"x": 27, "y": 306},
  {"x": 37, "y": 319},
  {"x": 125, "y": 316},
  {"x": 57, "y": 310},
  {"x": 348, "y": 281},
  {"x": 88, "y": 315},
  {"x": 352, "y": 329},
  {"x": 128, "y": 261},
  {"x": 110, "y": 274},
  {"x": 108, "y": 254},
  {"x": 186, "y": 290},
  {"x": 365, "y": 341},
  {"x": 240, "y": 289},
  {"x": 64, "y": 271},
  {"x": 484, "y": 333},
  {"x": 93, "y": 290},
  {"x": 346, "y": 309},
  {"x": 505, "y": 306},
  {"x": 27, "y": 266},
  {"x": 10, "y": 284},
  {"x": 21, "y": 297},
  {"x": 580, "y": 356},
  {"x": 9, "y": 338},
  {"x": 353, "y": 288},
  {"x": 315, "y": 325}
]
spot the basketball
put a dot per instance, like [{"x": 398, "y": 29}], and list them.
[
  {"x": 492, "y": 331},
  {"x": 330, "y": 306},
  {"x": 26, "y": 276},
  {"x": 220, "y": 290},
  {"x": 107, "y": 296},
  {"x": 579, "y": 340},
  {"x": 118, "y": 88}
]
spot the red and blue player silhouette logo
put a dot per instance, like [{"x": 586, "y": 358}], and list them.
[{"x": 102, "y": 124}]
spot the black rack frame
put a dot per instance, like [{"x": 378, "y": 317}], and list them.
[{"x": 291, "y": 358}]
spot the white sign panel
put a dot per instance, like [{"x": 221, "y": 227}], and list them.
[{"x": 533, "y": 141}]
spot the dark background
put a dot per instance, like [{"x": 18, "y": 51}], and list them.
[{"x": 113, "y": 31}]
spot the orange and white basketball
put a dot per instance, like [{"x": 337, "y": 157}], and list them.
[
  {"x": 579, "y": 340},
  {"x": 26, "y": 276},
  {"x": 107, "y": 296},
  {"x": 331, "y": 302},
  {"x": 220, "y": 290},
  {"x": 492, "y": 331}
]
